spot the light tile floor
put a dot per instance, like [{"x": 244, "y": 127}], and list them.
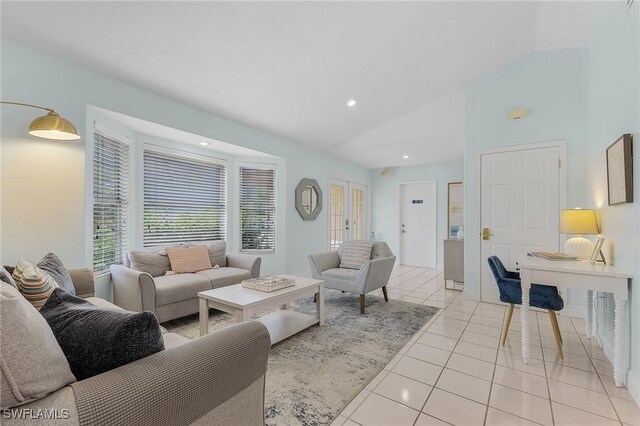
[{"x": 454, "y": 370}]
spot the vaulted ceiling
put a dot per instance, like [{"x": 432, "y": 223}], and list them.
[{"x": 289, "y": 68}]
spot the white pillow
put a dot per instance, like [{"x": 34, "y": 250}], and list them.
[{"x": 355, "y": 254}]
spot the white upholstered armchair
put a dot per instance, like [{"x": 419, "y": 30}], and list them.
[{"x": 373, "y": 275}]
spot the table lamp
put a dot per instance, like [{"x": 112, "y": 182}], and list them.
[{"x": 580, "y": 222}]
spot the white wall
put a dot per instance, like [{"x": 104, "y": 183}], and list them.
[
  {"x": 386, "y": 200},
  {"x": 43, "y": 182}
]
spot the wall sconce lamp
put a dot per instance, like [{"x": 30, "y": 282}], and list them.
[{"x": 50, "y": 126}]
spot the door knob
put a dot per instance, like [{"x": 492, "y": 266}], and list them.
[{"x": 486, "y": 234}]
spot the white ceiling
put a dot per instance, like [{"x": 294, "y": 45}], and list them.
[{"x": 289, "y": 67}]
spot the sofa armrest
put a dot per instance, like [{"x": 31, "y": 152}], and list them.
[
  {"x": 245, "y": 261},
  {"x": 320, "y": 262},
  {"x": 82, "y": 281},
  {"x": 133, "y": 290},
  {"x": 374, "y": 274},
  {"x": 179, "y": 385}
]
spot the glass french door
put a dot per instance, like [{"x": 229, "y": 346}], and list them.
[{"x": 347, "y": 212}]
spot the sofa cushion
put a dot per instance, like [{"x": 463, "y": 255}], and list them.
[
  {"x": 94, "y": 339},
  {"x": 52, "y": 265},
  {"x": 355, "y": 254},
  {"x": 149, "y": 260},
  {"x": 35, "y": 284},
  {"x": 217, "y": 251},
  {"x": 340, "y": 274},
  {"x": 225, "y": 276},
  {"x": 175, "y": 288},
  {"x": 189, "y": 259},
  {"x": 32, "y": 364},
  {"x": 5, "y": 276}
]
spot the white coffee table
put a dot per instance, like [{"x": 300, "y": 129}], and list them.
[{"x": 245, "y": 302}]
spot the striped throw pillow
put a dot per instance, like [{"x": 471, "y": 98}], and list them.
[
  {"x": 355, "y": 254},
  {"x": 188, "y": 259},
  {"x": 33, "y": 283}
]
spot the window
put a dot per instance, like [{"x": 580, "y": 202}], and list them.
[
  {"x": 184, "y": 199},
  {"x": 110, "y": 201},
  {"x": 257, "y": 210}
]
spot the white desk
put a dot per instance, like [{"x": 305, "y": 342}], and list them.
[{"x": 578, "y": 274}]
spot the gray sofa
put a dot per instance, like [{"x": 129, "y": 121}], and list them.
[
  {"x": 141, "y": 284},
  {"x": 217, "y": 379},
  {"x": 373, "y": 275}
]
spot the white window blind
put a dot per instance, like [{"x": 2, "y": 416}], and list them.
[
  {"x": 257, "y": 210},
  {"x": 110, "y": 201},
  {"x": 184, "y": 199}
]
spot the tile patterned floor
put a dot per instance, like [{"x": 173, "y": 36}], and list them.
[{"x": 454, "y": 370}]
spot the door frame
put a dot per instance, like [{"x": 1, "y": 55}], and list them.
[
  {"x": 561, "y": 144},
  {"x": 366, "y": 184},
  {"x": 399, "y": 221}
]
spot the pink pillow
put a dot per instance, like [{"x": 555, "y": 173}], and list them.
[{"x": 189, "y": 259}]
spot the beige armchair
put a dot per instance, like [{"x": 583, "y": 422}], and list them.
[{"x": 373, "y": 275}]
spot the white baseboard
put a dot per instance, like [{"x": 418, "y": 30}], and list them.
[
  {"x": 440, "y": 266},
  {"x": 633, "y": 386}
]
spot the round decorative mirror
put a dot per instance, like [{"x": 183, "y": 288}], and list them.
[{"x": 308, "y": 199}]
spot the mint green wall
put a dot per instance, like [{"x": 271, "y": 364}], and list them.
[
  {"x": 551, "y": 85},
  {"x": 43, "y": 182},
  {"x": 613, "y": 108},
  {"x": 588, "y": 97},
  {"x": 386, "y": 200}
]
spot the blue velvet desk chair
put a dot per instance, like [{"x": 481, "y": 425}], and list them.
[{"x": 542, "y": 296}]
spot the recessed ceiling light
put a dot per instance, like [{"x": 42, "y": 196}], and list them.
[
  {"x": 204, "y": 143},
  {"x": 351, "y": 103},
  {"x": 405, "y": 156}
]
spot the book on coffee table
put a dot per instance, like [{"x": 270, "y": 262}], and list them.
[{"x": 268, "y": 283}]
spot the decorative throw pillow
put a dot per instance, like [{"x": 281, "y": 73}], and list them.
[
  {"x": 189, "y": 259},
  {"x": 35, "y": 284},
  {"x": 32, "y": 363},
  {"x": 96, "y": 340},
  {"x": 5, "y": 276},
  {"x": 355, "y": 254},
  {"x": 54, "y": 267}
]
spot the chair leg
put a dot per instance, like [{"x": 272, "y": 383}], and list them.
[
  {"x": 384, "y": 292},
  {"x": 556, "y": 331},
  {"x": 505, "y": 327},
  {"x": 362, "y": 304}
]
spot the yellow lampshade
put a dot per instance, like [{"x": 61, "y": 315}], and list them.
[
  {"x": 52, "y": 126},
  {"x": 579, "y": 221}
]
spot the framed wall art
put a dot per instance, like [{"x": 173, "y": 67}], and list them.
[
  {"x": 620, "y": 170},
  {"x": 455, "y": 209}
]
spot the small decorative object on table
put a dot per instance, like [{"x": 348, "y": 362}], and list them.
[
  {"x": 597, "y": 255},
  {"x": 268, "y": 283}
]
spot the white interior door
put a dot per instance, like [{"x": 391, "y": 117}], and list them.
[
  {"x": 520, "y": 207},
  {"x": 418, "y": 209},
  {"x": 347, "y": 212}
]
